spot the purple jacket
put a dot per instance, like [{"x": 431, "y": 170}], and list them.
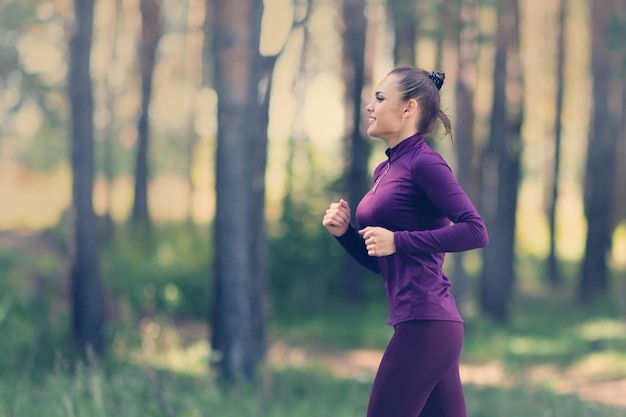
[{"x": 415, "y": 194}]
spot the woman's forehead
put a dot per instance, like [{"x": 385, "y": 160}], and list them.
[{"x": 388, "y": 84}]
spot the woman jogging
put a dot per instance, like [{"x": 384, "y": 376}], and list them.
[{"x": 414, "y": 213}]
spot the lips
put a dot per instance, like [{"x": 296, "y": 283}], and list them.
[{"x": 371, "y": 120}]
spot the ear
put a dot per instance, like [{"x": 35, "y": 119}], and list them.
[{"x": 410, "y": 108}]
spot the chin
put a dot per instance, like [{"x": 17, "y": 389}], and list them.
[{"x": 373, "y": 134}]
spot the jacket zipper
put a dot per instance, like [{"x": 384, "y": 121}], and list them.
[{"x": 381, "y": 177}]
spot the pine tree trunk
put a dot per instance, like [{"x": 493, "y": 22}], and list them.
[
  {"x": 86, "y": 288},
  {"x": 238, "y": 236},
  {"x": 501, "y": 168},
  {"x": 357, "y": 146},
  {"x": 601, "y": 154},
  {"x": 467, "y": 55},
  {"x": 150, "y": 34},
  {"x": 405, "y": 31},
  {"x": 554, "y": 276}
]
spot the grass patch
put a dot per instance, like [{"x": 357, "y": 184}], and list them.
[
  {"x": 170, "y": 278},
  {"x": 122, "y": 390}
]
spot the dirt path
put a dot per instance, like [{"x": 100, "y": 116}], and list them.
[{"x": 361, "y": 364}]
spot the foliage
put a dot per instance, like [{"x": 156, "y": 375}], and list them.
[
  {"x": 27, "y": 90},
  {"x": 303, "y": 275},
  {"x": 31, "y": 319},
  {"x": 166, "y": 271},
  {"x": 305, "y": 261}
]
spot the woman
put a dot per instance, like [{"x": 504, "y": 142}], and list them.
[{"x": 415, "y": 212}]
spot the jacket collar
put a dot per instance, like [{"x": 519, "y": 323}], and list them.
[{"x": 411, "y": 143}]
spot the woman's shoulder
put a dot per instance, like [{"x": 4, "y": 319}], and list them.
[{"x": 424, "y": 157}]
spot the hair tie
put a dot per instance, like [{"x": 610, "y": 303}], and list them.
[{"x": 438, "y": 81}]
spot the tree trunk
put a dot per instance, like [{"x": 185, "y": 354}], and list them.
[
  {"x": 619, "y": 213},
  {"x": 554, "y": 276},
  {"x": 299, "y": 146},
  {"x": 110, "y": 131},
  {"x": 404, "y": 31},
  {"x": 150, "y": 34},
  {"x": 501, "y": 167},
  {"x": 259, "y": 244},
  {"x": 620, "y": 188},
  {"x": 601, "y": 153},
  {"x": 357, "y": 147},
  {"x": 86, "y": 292},
  {"x": 193, "y": 68},
  {"x": 467, "y": 55},
  {"x": 236, "y": 35}
]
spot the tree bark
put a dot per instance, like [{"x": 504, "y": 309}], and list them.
[
  {"x": 404, "y": 31},
  {"x": 554, "y": 276},
  {"x": 150, "y": 34},
  {"x": 111, "y": 130},
  {"x": 601, "y": 152},
  {"x": 86, "y": 292},
  {"x": 501, "y": 167},
  {"x": 357, "y": 146},
  {"x": 467, "y": 54},
  {"x": 236, "y": 35}
]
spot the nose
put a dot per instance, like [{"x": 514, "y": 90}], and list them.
[{"x": 370, "y": 107}]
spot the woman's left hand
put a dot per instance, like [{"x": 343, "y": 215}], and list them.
[{"x": 378, "y": 241}]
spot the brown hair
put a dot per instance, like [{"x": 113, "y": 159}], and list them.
[{"x": 419, "y": 84}]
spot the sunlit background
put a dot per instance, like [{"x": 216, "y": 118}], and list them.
[
  {"x": 308, "y": 104},
  {"x": 306, "y": 108}
]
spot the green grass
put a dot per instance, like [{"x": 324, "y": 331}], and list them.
[
  {"x": 37, "y": 379},
  {"x": 130, "y": 391}
]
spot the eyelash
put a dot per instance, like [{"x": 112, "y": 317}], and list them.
[{"x": 379, "y": 99}]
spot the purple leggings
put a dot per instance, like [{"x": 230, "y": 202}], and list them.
[{"x": 419, "y": 372}]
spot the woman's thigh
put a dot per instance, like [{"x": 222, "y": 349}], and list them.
[{"x": 420, "y": 355}]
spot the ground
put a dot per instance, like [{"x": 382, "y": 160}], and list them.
[{"x": 583, "y": 381}]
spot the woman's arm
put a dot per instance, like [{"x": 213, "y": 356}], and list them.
[
  {"x": 354, "y": 244},
  {"x": 435, "y": 178}
]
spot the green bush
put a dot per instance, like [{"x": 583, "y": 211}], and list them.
[{"x": 167, "y": 271}]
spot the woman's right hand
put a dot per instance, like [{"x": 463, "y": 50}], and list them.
[{"x": 337, "y": 218}]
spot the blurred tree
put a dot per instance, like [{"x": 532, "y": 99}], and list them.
[
  {"x": 619, "y": 213},
  {"x": 465, "y": 14},
  {"x": 404, "y": 23},
  {"x": 607, "y": 79},
  {"x": 299, "y": 152},
  {"x": 238, "y": 318},
  {"x": 553, "y": 274},
  {"x": 150, "y": 35},
  {"x": 86, "y": 292},
  {"x": 501, "y": 166},
  {"x": 109, "y": 132},
  {"x": 192, "y": 69},
  {"x": 357, "y": 147},
  {"x": 443, "y": 34}
]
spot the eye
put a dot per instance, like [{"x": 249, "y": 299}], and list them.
[{"x": 379, "y": 98}]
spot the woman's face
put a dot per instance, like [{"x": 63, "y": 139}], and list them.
[{"x": 387, "y": 117}]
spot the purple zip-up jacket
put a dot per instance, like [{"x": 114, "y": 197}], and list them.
[{"x": 415, "y": 194}]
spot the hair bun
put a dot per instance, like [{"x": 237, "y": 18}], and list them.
[{"x": 437, "y": 78}]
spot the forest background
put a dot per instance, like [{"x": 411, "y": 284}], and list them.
[{"x": 165, "y": 165}]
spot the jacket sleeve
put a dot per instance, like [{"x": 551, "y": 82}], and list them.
[
  {"x": 435, "y": 178},
  {"x": 354, "y": 244}
]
